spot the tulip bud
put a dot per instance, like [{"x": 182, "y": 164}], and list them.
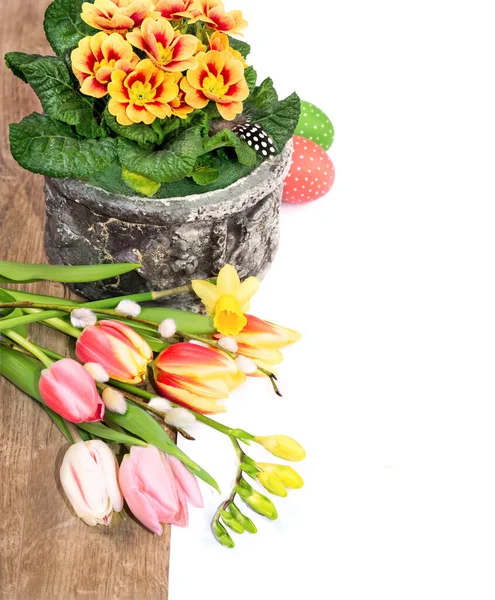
[
  {"x": 117, "y": 348},
  {"x": 128, "y": 308},
  {"x": 221, "y": 534},
  {"x": 259, "y": 503},
  {"x": 287, "y": 475},
  {"x": 229, "y": 520},
  {"x": 272, "y": 484},
  {"x": 68, "y": 389},
  {"x": 114, "y": 401},
  {"x": 282, "y": 446},
  {"x": 89, "y": 478},
  {"x": 242, "y": 519}
]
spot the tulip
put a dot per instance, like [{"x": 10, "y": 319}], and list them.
[
  {"x": 157, "y": 488},
  {"x": 282, "y": 446},
  {"x": 68, "y": 389},
  {"x": 261, "y": 341},
  {"x": 196, "y": 376},
  {"x": 117, "y": 348},
  {"x": 89, "y": 477}
]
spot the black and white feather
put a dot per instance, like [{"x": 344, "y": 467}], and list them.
[{"x": 256, "y": 137}]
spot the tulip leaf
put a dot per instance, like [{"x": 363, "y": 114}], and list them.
[
  {"x": 64, "y": 26},
  {"x": 102, "y": 431},
  {"x": 42, "y": 145},
  {"x": 140, "y": 423},
  {"x": 29, "y": 273},
  {"x": 50, "y": 78},
  {"x": 24, "y": 372}
]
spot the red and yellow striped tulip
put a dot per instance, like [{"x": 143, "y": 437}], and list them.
[
  {"x": 218, "y": 77},
  {"x": 142, "y": 95},
  {"x": 97, "y": 57},
  {"x": 117, "y": 348},
  {"x": 196, "y": 376},
  {"x": 168, "y": 49},
  {"x": 174, "y": 9},
  {"x": 212, "y": 12},
  {"x": 220, "y": 41},
  {"x": 117, "y": 15},
  {"x": 261, "y": 341}
]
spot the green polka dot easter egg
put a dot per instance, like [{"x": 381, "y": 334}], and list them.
[{"x": 314, "y": 125}]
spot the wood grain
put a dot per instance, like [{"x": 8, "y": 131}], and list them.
[{"x": 46, "y": 552}]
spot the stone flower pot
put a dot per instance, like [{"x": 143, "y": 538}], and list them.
[{"x": 174, "y": 239}]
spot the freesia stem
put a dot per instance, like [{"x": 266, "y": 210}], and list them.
[
  {"x": 32, "y": 348},
  {"x": 240, "y": 457}
]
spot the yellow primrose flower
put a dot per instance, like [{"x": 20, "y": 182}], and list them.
[{"x": 228, "y": 300}]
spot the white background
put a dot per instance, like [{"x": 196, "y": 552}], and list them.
[{"x": 390, "y": 279}]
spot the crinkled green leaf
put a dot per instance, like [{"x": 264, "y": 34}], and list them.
[
  {"x": 204, "y": 174},
  {"x": 42, "y": 145},
  {"x": 171, "y": 127},
  {"x": 64, "y": 26},
  {"x": 242, "y": 47},
  {"x": 140, "y": 183},
  {"x": 140, "y": 133},
  {"x": 264, "y": 96},
  {"x": 226, "y": 138},
  {"x": 251, "y": 77},
  {"x": 15, "y": 61},
  {"x": 174, "y": 162},
  {"x": 50, "y": 78}
]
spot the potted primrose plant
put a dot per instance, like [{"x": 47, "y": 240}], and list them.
[{"x": 157, "y": 145}]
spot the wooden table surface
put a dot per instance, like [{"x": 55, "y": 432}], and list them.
[{"x": 46, "y": 552}]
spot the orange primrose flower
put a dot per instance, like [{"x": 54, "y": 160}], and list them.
[
  {"x": 142, "y": 95},
  {"x": 218, "y": 77},
  {"x": 180, "y": 108},
  {"x": 168, "y": 49},
  {"x": 96, "y": 58},
  {"x": 174, "y": 9},
  {"x": 212, "y": 12},
  {"x": 220, "y": 41},
  {"x": 117, "y": 15}
]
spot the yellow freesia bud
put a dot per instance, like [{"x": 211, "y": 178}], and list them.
[
  {"x": 287, "y": 475},
  {"x": 282, "y": 446},
  {"x": 272, "y": 484}
]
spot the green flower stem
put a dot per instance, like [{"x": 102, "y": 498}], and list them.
[
  {"x": 56, "y": 323},
  {"x": 240, "y": 457},
  {"x": 32, "y": 348}
]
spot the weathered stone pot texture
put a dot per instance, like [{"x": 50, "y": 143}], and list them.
[{"x": 174, "y": 239}]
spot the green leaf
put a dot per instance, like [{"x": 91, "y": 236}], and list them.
[
  {"x": 64, "y": 26},
  {"x": 226, "y": 138},
  {"x": 106, "y": 433},
  {"x": 140, "y": 133},
  {"x": 264, "y": 96},
  {"x": 169, "y": 128},
  {"x": 140, "y": 423},
  {"x": 251, "y": 77},
  {"x": 280, "y": 120},
  {"x": 242, "y": 47},
  {"x": 204, "y": 174},
  {"x": 172, "y": 163},
  {"x": 49, "y": 147},
  {"x": 29, "y": 273},
  {"x": 140, "y": 183},
  {"x": 6, "y": 314},
  {"x": 15, "y": 61},
  {"x": 50, "y": 79}
]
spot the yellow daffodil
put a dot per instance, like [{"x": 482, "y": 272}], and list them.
[{"x": 228, "y": 300}]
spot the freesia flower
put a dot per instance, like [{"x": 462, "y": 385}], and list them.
[
  {"x": 282, "y": 446},
  {"x": 142, "y": 95},
  {"x": 68, "y": 389},
  {"x": 212, "y": 12},
  {"x": 116, "y": 15},
  {"x": 219, "y": 77},
  {"x": 157, "y": 488},
  {"x": 220, "y": 41},
  {"x": 287, "y": 475},
  {"x": 89, "y": 477},
  {"x": 228, "y": 300},
  {"x": 97, "y": 57},
  {"x": 117, "y": 348},
  {"x": 261, "y": 341},
  {"x": 174, "y": 9},
  {"x": 196, "y": 377},
  {"x": 168, "y": 49}
]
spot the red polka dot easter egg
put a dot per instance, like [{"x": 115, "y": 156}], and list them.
[{"x": 311, "y": 173}]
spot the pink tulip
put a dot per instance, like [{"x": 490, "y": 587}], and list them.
[
  {"x": 89, "y": 477},
  {"x": 117, "y": 348},
  {"x": 157, "y": 488},
  {"x": 68, "y": 389}
]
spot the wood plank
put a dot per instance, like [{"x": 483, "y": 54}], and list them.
[{"x": 45, "y": 551}]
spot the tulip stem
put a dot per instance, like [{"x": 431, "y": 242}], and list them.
[
  {"x": 73, "y": 430},
  {"x": 32, "y": 348}
]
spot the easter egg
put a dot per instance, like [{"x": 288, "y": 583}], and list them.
[
  {"x": 314, "y": 125},
  {"x": 311, "y": 173}
]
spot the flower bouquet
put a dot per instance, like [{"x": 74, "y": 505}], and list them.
[{"x": 101, "y": 399}]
